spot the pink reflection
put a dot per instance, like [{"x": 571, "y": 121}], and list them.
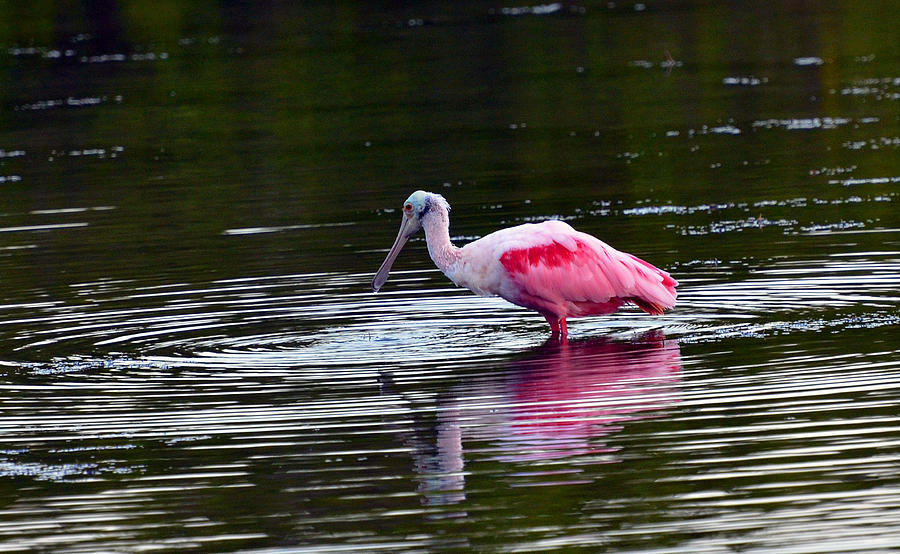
[
  {"x": 557, "y": 403},
  {"x": 565, "y": 397}
]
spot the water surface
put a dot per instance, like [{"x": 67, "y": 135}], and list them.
[{"x": 196, "y": 197}]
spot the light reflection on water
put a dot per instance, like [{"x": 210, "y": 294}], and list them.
[
  {"x": 326, "y": 407},
  {"x": 333, "y": 320},
  {"x": 410, "y": 402}
]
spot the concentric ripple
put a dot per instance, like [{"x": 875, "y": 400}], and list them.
[{"x": 334, "y": 321}]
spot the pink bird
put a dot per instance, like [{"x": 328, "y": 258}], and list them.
[{"x": 548, "y": 267}]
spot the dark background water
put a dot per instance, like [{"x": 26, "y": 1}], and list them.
[{"x": 196, "y": 196}]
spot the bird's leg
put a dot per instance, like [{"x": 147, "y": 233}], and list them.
[
  {"x": 554, "y": 324},
  {"x": 558, "y": 328}
]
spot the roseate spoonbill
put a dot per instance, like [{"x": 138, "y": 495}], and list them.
[{"x": 548, "y": 267}]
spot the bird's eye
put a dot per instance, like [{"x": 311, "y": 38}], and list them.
[{"x": 407, "y": 207}]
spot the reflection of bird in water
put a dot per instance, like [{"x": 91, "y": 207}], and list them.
[
  {"x": 554, "y": 403},
  {"x": 436, "y": 442},
  {"x": 548, "y": 267},
  {"x": 563, "y": 399}
]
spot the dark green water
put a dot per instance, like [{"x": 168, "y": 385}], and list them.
[{"x": 196, "y": 196}]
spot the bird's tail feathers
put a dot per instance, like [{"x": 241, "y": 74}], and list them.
[{"x": 651, "y": 308}]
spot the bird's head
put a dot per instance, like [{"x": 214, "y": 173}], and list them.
[
  {"x": 420, "y": 207},
  {"x": 415, "y": 209}
]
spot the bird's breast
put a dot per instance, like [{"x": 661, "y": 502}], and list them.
[{"x": 478, "y": 270}]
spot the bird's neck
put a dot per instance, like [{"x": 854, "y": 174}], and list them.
[{"x": 437, "y": 236}]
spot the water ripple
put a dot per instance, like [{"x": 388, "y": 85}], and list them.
[{"x": 332, "y": 320}]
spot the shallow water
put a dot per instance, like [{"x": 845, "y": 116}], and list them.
[{"x": 196, "y": 199}]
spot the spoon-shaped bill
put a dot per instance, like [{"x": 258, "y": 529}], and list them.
[{"x": 408, "y": 228}]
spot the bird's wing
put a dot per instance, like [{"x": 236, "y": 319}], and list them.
[{"x": 556, "y": 263}]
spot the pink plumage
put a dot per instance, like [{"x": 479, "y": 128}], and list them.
[{"x": 548, "y": 267}]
